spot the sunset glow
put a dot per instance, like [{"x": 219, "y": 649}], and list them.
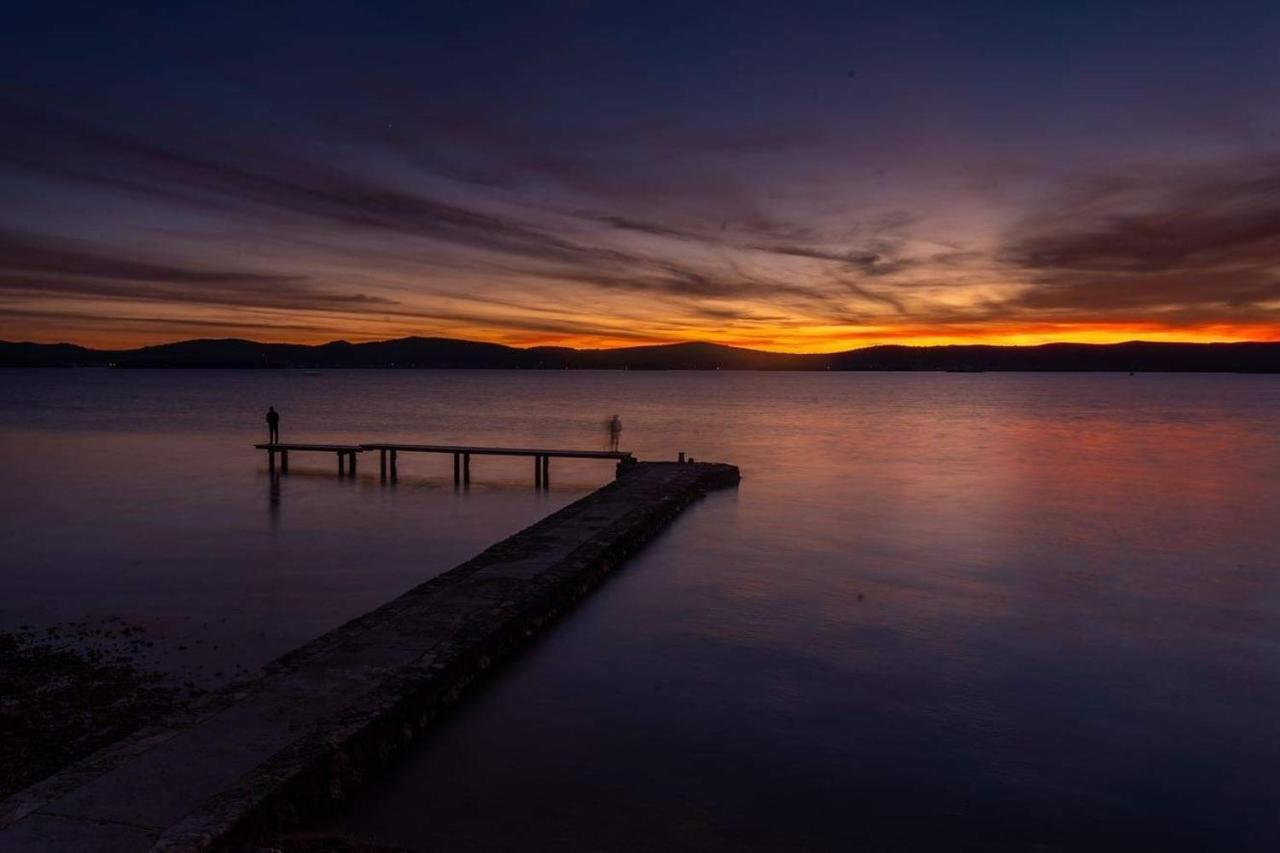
[{"x": 647, "y": 185}]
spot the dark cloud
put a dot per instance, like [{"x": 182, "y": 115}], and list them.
[
  {"x": 879, "y": 257},
  {"x": 623, "y": 223},
  {"x": 759, "y": 225},
  {"x": 627, "y": 158},
  {"x": 869, "y": 295},
  {"x": 670, "y": 279},
  {"x": 29, "y": 253},
  {"x": 107, "y": 320},
  {"x": 37, "y": 265},
  {"x": 866, "y": 261},
  {"x": 1181, "y": 243},
  {"x": 266, "y": 183}
]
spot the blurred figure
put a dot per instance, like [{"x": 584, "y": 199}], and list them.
[
  {"x": 273, "y": 425},
  {"x": 614, "y": 426}
]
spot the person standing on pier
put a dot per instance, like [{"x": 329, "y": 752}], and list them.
[
  {"x": 273, "y": 425},
  {"x": 614, "y": 426}
]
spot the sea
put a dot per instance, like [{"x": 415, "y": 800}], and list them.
[{"x": 992, "y": 611}]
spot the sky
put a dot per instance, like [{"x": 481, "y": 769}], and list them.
[{"x": 786, "y": 176}]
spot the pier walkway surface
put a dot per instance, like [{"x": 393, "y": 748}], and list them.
[{"x": 264, "y": 753}]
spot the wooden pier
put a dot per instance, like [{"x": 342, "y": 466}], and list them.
[
  {"x": 388, "y": 458},
  {"x": 346, "y": 455}
]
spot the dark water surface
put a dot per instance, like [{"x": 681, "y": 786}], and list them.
[{"x": 942, "y": 611}]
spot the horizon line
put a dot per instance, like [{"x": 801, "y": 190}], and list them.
[{"x": 1026, "y": 346}]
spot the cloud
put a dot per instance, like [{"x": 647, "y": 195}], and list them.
[
  {"x": 1158, "y": 243},
  {"x": 265, "y": 183},
  {"x": 624, "y": 223},
  {"x": 666, "y": 278},
  {"x": 878, "y": 261},
  {"x": 31, "y": 253},
  {"x": 108, "y": 321},
  {"x": 714, "y": 256},
  {"x": 879, "y": 257},
  {"x": 39, "y": 266}
]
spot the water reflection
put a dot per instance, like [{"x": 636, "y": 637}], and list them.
[{"x": 273, "y": 499}]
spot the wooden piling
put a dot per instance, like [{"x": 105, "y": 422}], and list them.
[
  {"x": 346, "y": 454},
  {"x": 462, "y": 457}
]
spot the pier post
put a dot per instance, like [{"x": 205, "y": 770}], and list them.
[
  {"x": 537, "y": 472},
  {"x": 382, "y": 463},
  {"x": 395, "y": 466},
  {"x": 457, "y": 469},
  {"x": 284, "y": 462},
  {"x": 466, "y": 469},
  {"x": 271, "y": 461},
  {"x": 546, "y": 472},
  {"x": 351, "y": 463},
  {"x": 342, "y": 463}
]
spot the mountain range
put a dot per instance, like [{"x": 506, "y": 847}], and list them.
[{"x": 446, "y": 353}]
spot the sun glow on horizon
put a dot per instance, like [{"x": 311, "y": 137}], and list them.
[{"x": 803, "y": 340}]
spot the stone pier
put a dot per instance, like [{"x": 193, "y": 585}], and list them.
[{"x": 307, "y": 731}]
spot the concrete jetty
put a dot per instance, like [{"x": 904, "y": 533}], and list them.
[{"x": 263, "y": 754}]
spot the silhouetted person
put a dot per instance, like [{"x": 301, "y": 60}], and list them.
[
  {"x": 614, "y": 426},
  {"x": 273, "y": 425}
]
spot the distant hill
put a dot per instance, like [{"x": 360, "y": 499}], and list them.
[{"x": 446, "y": 353}]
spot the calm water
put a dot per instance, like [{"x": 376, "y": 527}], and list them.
[{"x": 941, "y": 612}]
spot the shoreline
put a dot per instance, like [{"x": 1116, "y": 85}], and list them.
[{"x": 71, "y": 689}]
